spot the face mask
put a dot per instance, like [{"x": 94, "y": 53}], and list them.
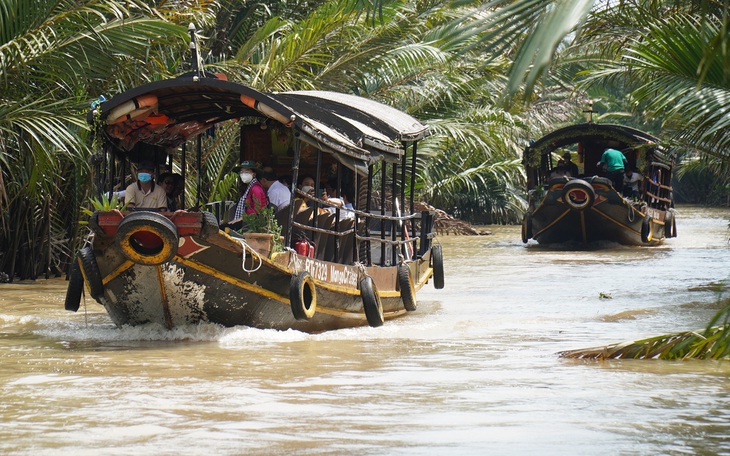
[
  {"x": 246, "y": 177},
  {"x": 144, "y": 177}
]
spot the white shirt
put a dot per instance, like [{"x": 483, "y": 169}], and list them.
[
  {"x": 278, "y": 194},
  {"x": 633, "y": 181}
]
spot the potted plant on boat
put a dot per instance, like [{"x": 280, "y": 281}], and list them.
[{"x": 262, "y": 232}]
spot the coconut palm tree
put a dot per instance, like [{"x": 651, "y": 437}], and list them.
[
  {"x": 409, "y": 58},
  {"x": 53, "y": 57}
]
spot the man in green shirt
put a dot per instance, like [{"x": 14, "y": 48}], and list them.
[{"x": 615, "y": 162}]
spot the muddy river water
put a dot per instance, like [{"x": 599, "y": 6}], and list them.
[{"x": 473, "y": 371}]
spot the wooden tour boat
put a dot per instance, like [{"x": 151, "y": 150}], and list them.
[
  {"x": 355, "y": 268},
  {"x": 587, "y": 208}
]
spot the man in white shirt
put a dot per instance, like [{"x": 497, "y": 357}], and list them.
[
  {"x": 631, "y": 183},
  {"x": 278, "y": 194}
]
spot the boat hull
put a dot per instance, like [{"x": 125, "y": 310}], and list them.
[
  {"x": 609, "y": 217},
  {"x": 221, "y": 279}
]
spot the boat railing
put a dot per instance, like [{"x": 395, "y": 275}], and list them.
[
  {"x": 345, "y": 235},
  {"x": 380, "y": 246},
  {"x": 657, "y": 189}
]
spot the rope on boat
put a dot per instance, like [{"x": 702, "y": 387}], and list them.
[
  {"x": 630, "y": 215},
  {"x": 254, "y": 254}
]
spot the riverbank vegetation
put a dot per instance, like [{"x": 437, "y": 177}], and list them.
[{"x": 487, "y": 76}]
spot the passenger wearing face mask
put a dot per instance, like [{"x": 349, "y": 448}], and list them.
[
  {"x": 254, "y": 194},
  {"x": 144, "y": 194}
]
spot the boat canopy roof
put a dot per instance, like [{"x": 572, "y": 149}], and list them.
[
  {"x": 628, "y": 137},
  {"x": 356, "y": 130}
]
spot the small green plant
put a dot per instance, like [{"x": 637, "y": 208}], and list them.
[
  {"x": 263, "y": 221},
  {"x": 103, "y": 204},
  {"x": 603, "y": 295}
]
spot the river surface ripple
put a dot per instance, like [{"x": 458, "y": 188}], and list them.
[{"x": 474, "y": 371}]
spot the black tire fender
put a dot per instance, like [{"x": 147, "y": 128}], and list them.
[
  {"x": 670, "y": 224},
  {"x": 210, "y": 225},
  {"x": 526, "y": 227},
  {"x": 578, "y": 194},
  {"x": 94, "y": 224},
  {"x": 437, "y": 263},
  {"x": 90, "y": 270},
  {"x": 371, "y": 303},
  {"x": 646, "y": 235},
  {"x": 302, "y": 296},
  {"x": 147, "y": 238},
  {"x": 75, "y": 287},
  {"x": 407, "y": 289}
]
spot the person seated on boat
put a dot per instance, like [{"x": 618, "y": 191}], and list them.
[
  {"x": 144, "y": 194},
  {"x": 347, "y": 196},
  {"x": 306, "y": 185},
  {"x": 253, "y": 199},
  {"x": 166, "y": 181},
  {"x": 559, "y": 171},
  {"x": 570, "y": 166},
  {"x": 632, "y": 179},
  {"x": 276, "y": 192},
  {"x": 614, "y": 162},
  {"x": 330, "y": 195},
  {"x": 343, "y": 201},
  {"x": 286, "y": 181}
]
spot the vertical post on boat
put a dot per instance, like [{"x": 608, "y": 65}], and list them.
[
  {"x": 336, "y": 225},
  {"x": 198, "y": 159},
  {"x": 369, "y": 201},
  {"x": 355, "y": 247},
  {"x": 112, "y": 173},
  {"x": 183, "y": 167},
  {"x": 413, "y": 192},
  {"x": 294, "y": 178},
  {"x": 394, "y": 223},
  {"x": 383, "y": 177},
  {"x": 104, "y": 175},
  {"x": 318, "y": 175},
  {"x": 123, "y": 175},
  {"x": 402, "y": 226}
]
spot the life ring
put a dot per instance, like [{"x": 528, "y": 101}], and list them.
[
  {"x": 437, "y": 263},
  {"x": 407, "y": 290},
  {"x": 670, "y": 224},
  {"x": 147, "y": 238},
  {"x": 646, "y": 234},
  {"x": 90, "y": 270},
  {"x": 137, "y": 114},
  {"x": 210, "y": 225},
  {"x": 75, "y": 287},
  {"x": 578, "y": 194},
  {"x": 302, "y": 296},
  {"x": 526, "y": 227},
  {"x": 265, "y": 110},
  {"x": 135, "y": 104},
  {"x": 371, "y": 303}
]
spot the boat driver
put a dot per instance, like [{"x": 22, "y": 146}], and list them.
[{"x": 144, "y": 193}]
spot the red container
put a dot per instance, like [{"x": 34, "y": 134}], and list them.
[{"x": 304, "y": 247}]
